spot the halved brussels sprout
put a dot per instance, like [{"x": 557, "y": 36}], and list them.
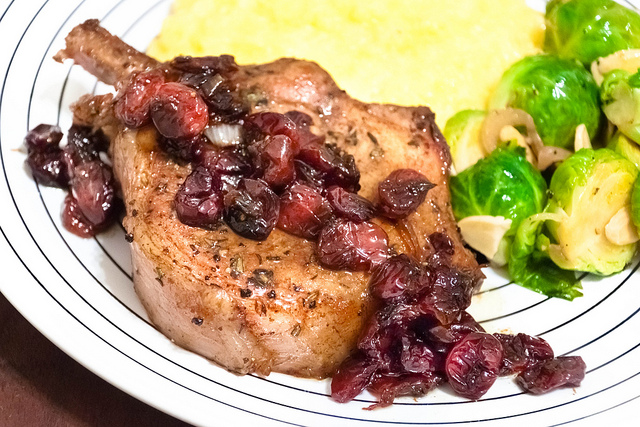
[
  {"x": 504, "y": 184},
  {"x": 625, "y": 147},
  {"x": 635, "y": 204},
  {"x": 462, "y": 132},
  {"x": 559, "y": 94},
  {"x": 587, "y": 190},
  {"x": 620, "y": 94},
  {"x": 530, "y": 265},
  {"x": 588, "y": 29}
]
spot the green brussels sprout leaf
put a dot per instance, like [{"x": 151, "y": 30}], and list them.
[
  {"x": 625, "y": 147},
  {"x": 504, "y": 184},
  {"x": 587, "y": 179},
  {"x": 620, "y": 94},
  {"x": 589, "y": 29},
  {"x": 462, "y": 132},
  {"x": 635, "y": 204},
  {"x": 531, "y": 267},
  {"x": 559, "y": 94}
]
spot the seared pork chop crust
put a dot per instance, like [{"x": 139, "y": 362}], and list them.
[{"x": 264, "y": 306}]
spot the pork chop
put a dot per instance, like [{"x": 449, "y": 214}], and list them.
[{"x": 263, "y": 306}]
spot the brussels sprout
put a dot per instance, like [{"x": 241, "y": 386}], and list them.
[
  {"x": 625, "y": 147},
  {"x": 635, "y": 204},
  {"x": 504, "y": 184},
  {"x": 558, "y": 93},
  {"x": 587, "y": 190},
  {"x": 620, "y": 94},
  {"x": 588, "y": 29},
  {"x": 462, "y": 132},
  {"x": 530, "y": 265}
]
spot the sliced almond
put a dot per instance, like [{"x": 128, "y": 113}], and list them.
[
  {"x": 484, "y": 234},
  {"x": 582, "y": 139},
  {"x": 549, "y": 155},
  {"x": 620, "y": 229}
]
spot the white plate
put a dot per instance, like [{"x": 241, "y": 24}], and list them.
[{"x": 79, "y": 292}]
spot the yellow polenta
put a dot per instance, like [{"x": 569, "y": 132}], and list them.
[{"x": 442, "y": 53}]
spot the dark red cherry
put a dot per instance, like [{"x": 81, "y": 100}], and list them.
[
  {"x": 268, "y": 123},
  {"x": 393, "y": 277},
  {"x": 302, "y": 120},
  {"x": 252, "y": 209},
  {"x": 223, "y": 64},
  {"x": 225, "y": 104},
  {"x": 454, "y": 332},
  {"x": 522, "y": 352},
  {"x": 473, "y": 365},
  {"x": 350, "y": 205},
  {"x": 379, "y": 336},
  {"x": 42, "y": 137},
  {"x": 346, "y": 245},
  {"x": 276, "y": 161},
  {"x": 303, "y": 211},
  {"x": 133, "y": 104},
  {"x": 335, "y": 168},
  {"x": 402, "y": 192},
  {"x": 351, "y": 378},
  {"x": 226, "y": 161},
  {"x": 198, "y": 201},
  {"x": 308, "y": 175},
  {"x": 388, "y": 387},
  {"x": 178, "y": 111},
  {"x": 93, "y": 189},
  {"x": 83, "y": 144},
  {"x": 567, "y": 371},
  {"x": 416, "y": 356},
  {"x": 444, "y": 292},
  {"x": 48, "y": 167},
  {"x": 74, "y": 221}
]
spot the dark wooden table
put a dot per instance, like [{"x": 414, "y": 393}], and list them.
[{"x": 41, "y": 386}]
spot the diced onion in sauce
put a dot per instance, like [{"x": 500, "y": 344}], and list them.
[
  {"x": 498, "y": 119},
  {"x": 224, "y": 135}
]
